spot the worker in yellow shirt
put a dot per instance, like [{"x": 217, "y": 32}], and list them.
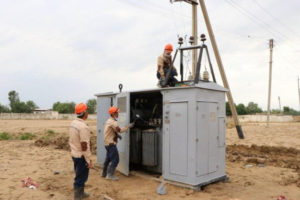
[
  {"x": 111, "y": 135},
  {"x": 80, "y": 145},
  {"x": 164, "y": 63}
]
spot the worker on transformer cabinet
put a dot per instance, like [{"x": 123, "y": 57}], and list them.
[
  {"x": 111, "y": 135},
  {"x": 163, "y": 65}
]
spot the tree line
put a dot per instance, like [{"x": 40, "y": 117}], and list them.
[
  {"x": 253, "y": 108},
  {"x": 18, "y": 106}
]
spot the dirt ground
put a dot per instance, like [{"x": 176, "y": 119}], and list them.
[{"x": 264, "y": 166}]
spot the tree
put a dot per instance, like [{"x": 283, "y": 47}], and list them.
[
  {"x": 253, "y": 108},
  {"x": 14, "y": 99},
  {"x": 241, "y": 109},
  {"x": 91, "y": 104},
  {"x": 67, "y": 107},
  {"x": 18, "y": 106},
  {"x": 228, "y": 110},
  {"x": 4, "y": 109},
  {"x": 31, "y": 106}
]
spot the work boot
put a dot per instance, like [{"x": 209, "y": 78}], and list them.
[
  {"x": 84, "y": 194},
  {"x": 104, "y": 171},
  {"x": 77, "y": 193},
  {"x": 111, "y": 174}
]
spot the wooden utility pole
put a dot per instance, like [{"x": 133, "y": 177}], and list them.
[
  {"x": 222, "y": 71},
  {"x": 271, "y": 45},
  {"x": 194, "y": 4}
]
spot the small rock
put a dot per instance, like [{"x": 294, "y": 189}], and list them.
[{"x": 248, "y": 166}]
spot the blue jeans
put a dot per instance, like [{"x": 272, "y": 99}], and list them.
[
  {"x": 112, "y": 155},
  {"x": 81, "y": 171},
  {"x": 172, "y": 80}
]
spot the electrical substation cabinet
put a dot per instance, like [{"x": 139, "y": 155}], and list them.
[{"x": 179, "y": 132}]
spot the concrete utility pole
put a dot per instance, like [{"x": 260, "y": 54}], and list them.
[
  {"x": 195, "y": 35},
  {"x": 271, "y": 45},
  {"x": 221, "y": 68},
  {"x": 279, "y": 104},
  {"x": 299, "y": 92},
  {"x": 194, "y": 4}
]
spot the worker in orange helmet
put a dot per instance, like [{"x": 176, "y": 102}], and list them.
[
  {"x": 164, "y": 63},
  {"x": 80, "y": 145},
  {"x": 111, "y": 135}
]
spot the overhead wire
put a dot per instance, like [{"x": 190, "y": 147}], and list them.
[
  {"x": 255, "y": 19},
  {"x": 275, "y": 18}
]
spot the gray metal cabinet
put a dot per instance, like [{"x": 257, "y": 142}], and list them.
[
  {"x": 194, "y": 135},
  {"x": 191, "y": 140}
]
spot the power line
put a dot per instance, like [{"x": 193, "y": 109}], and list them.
[
  {"x": 275, "y": 18},
  {"x": 258, "y": 21}
]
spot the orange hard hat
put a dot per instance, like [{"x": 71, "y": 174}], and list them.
[
  {"x": 113, "y": 109},
  {"x": 169, "y": 47},
  {"x": 80, "y": 108}
]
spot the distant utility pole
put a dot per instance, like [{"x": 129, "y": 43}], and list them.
[
  {"x": 299, "y": 92},
  {"x": 279, "y": 104},
  {"x": 194, "y": 4},
  {"x": 271, "y": 45}
]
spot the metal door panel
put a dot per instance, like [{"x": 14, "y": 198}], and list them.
[
  {"x": 213, "y": 134},
  {"x": 206, "y": 141},
  {"x": 123, "y": 101},
  {"x": 178, "y": 139},
  {"x": 103, "y": 104},
  {"x": 202, "y": 140}
]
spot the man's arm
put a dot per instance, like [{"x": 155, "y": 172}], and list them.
[
  {"x": 160, "y": 64},
  {"x": 85, "y": 145}
]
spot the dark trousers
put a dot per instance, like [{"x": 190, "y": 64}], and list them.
[
  {"x": 81, "y": 171},
  {"x": 172, "y": 80},
  {"x": 112, "y": 156}
]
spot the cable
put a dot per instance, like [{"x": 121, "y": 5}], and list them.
[
  {"x": 275, "y": 18},
  {"x": 256, "y": 20}
]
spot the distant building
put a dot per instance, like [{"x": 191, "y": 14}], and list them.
[{"x": 39, "y": 111}]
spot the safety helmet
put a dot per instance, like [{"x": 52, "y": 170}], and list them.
[
  {"x": 80, "y": 108},
  {"x": 169, "y": 47},
  {"x": 113, "y": 109}
]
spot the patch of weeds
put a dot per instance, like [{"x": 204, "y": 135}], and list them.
[
  {"x": 50, "y": 131},
  {"x": 27, "y": 136},
  {"x": 5, "y": 136}
]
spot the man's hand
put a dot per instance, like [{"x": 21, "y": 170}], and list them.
[
  {"x": 131, "y": 125},
  {"x": 90, "y": 166},
  {"x": 83, "y": 146}
]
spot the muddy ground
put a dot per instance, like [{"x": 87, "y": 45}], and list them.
[{"x": 263, "y": 166}]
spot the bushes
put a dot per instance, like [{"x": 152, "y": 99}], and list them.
[
  {"x": 5, "y": 136},
  {"x": 23, "y": 136}
]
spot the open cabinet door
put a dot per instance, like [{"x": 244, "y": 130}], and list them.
[
  {"x": 123, "y": 103},
  {"x": 103, "y": 104}
]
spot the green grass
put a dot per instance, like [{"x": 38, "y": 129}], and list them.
[
  {"x": 50, "y": 131},
  {"x": 5, "y": 136},
  {"x": 27, "y": 136}
]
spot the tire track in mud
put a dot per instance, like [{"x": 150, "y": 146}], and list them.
[{"x": 267, "y": 155}]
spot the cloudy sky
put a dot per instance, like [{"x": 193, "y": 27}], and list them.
[{"x": 69, "y": 50}]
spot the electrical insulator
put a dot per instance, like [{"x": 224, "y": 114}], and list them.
[{"x": 205, "y": 75}]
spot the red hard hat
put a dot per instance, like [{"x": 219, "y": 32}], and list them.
[
  {"x": 169, "y": 47},
  {"x": 80, "y": 108},
  {"x": 113, "y": 109}
]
